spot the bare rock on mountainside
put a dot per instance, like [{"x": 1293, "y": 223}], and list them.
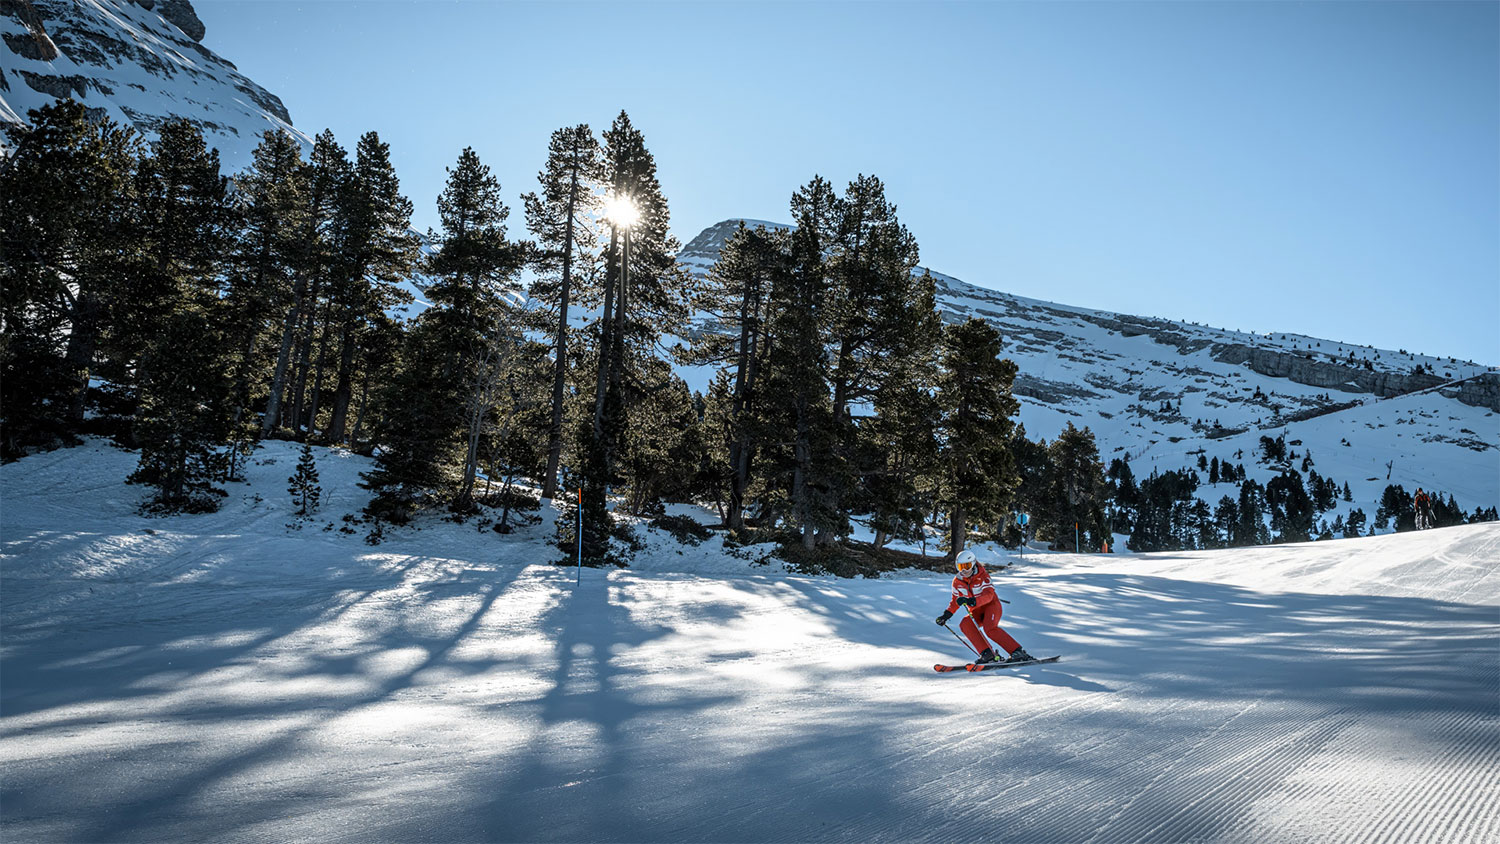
[
  {"x": 139, "y": 62},
  {"x": 180, "y": 12}
]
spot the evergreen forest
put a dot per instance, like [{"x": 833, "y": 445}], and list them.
[{"x": 188, "y": 314}]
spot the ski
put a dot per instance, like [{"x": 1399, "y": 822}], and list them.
[{"x": 987, "y": 666}]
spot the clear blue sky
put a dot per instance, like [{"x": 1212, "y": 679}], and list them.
[{"x": 1326, "y": 168}]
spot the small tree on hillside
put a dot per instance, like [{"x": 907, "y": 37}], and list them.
[{"x": 303, "y": 484}]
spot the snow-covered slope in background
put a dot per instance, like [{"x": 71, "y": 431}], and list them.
[
  {"x": 1159, "y": 392},
  {"x": 139, "y": 62},
  {"x": 227, "y": 678}
]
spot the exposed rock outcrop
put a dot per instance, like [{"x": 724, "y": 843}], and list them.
[
  {"x": 33, "y": 43},
  {"x": 179, "y": 12},
  {"x": 138, "y": 62},
  {"x": 1481, "y": 391}
]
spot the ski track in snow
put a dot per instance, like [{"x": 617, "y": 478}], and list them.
[{"x": 225, "y": 677}]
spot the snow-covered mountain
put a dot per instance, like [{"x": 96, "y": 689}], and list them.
[
  {"x": 1159, "y": 392},
  {"x": 139, "y": 62}
]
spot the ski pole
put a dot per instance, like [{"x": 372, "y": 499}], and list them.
[{"x": 960, "y": 638}]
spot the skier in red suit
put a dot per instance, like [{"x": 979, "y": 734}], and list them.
[{"x": 972, "y": 589}]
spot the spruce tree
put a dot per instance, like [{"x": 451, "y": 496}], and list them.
[
  {"x": 561, "y": 218},
  {"x": 303, "y": 483},
  {"x": 977, "y": 406},
  {"x": 1076, "y": 491}
]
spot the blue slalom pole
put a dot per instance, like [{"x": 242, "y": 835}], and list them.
[{"x": 579, "y": 580}]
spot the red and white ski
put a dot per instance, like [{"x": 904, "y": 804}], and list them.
[{"x": 988, "y": 665}]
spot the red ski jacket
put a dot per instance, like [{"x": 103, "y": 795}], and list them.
[{"x": 976, "y": 586}]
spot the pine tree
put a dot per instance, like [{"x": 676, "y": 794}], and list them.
[
  {"x": 977, "y": 406},
  {"x": 267, "y": 280},
  {"x": 796, "y": 385},
  {"x": 1076, "y": 491},
  {"x": 1396, "y": 504},
  {"x": 68, "y": 225},
  {"x": 1124, "y": 493},
  {"x": 645, "y": 294},
  {"x": 656, "y": 456},
  {"x": 303, "y": 484},
  {"x": 377, "y": 253},
  {"x": 561, "y": 219},
  {"x": 459, "y": 354},
  {"x": 752, "y": 263},
  {"x": 183, "y": 409},
  {"x": 1032, "y": 467},
  {"x": 901, "y": 486},
  {"x": 182, "y": 375},
  {"x": 1292, "y": 511},
  {"x": 329, "y": 173},
  {"x": 1226, "y": 517},
  {"x": 881, "y": 318}
]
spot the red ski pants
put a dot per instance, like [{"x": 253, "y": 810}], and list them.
[{"x": 989, "y": 619}]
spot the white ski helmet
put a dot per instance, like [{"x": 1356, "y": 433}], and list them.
[{"x": 965, "y": 562}]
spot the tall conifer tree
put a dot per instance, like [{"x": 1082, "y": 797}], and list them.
[
  {"x": 562, "y": 218},
  {"x": 270, "y": 278},
  {"x": 974, "y": 391},
  {"x": 378, "y": 252},
  {"x": 752, "y": 263},
  {"x": 456, "y": 354},
  {"x": 68, "y": 224},
  {"x": 182, "y": 371}
]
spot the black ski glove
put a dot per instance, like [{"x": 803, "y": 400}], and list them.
[
  {"x": 943, "y": 619},
  {"x": 966, "y": 601}
]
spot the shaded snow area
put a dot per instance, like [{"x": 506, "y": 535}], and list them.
[{"x": 227, "y": 678}]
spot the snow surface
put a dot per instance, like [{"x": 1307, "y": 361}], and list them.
[{"x": 228, "y": 678}]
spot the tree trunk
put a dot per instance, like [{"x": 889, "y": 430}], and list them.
[
  {"x": 800, "y": 491},
  {"x": 554, "y": 433},
  {"x": 359, "y": 417},
  {"x": 957, "y": 534},
  {"x": 82, "y": 342},
  {"x": 606, "y": 344},
  {"x": 283, "y": 357},
  {"x": 344, "y": 391},
  {"x": 317, "y": 391},
  {"x": 304, "y": 359}
]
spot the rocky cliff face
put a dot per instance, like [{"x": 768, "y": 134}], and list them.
[{"x": 137, "y": 61}]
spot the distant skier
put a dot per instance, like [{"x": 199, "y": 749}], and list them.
[
  {"x": 972, "y": 589},
  {"x": 1423, "y": 506}
]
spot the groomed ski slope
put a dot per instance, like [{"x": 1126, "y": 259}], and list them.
[{"x": 224, "y": 678}]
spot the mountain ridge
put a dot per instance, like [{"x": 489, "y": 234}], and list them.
[
  {"x": 139, "y": 62},
  {"x": 1166, "y": 392}
]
